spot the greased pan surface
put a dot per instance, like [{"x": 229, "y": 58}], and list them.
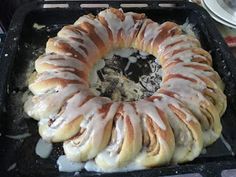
[{"x": 26, "y": 41}]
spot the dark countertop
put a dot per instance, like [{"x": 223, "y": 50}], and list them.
[{"x": 234, "y": 51}]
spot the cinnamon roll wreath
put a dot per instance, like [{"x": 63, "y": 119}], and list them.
[{"x": 172, "y": 125}]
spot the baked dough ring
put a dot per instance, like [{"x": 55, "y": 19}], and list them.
[{"x": 172, "y": 125}]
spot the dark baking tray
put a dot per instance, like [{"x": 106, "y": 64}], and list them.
[{"x": 24, "y": 43}]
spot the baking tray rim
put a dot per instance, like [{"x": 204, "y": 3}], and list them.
[{"x": 9, "y": 53}]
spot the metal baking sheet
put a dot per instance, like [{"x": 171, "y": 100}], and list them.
[{"x": 31, "y": 27}]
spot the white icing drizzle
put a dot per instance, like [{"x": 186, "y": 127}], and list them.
[
  {"x": 151, "y": 32},
  {"x": 65, "y": 165},
  {"x": 92, "y": 166},
  {"x": 130, "y": 112},
  {"x": 188, "y": 71},
  {"x": 163, "y": 104},
  {"x": 114, "y": 160},
  {"x": 88, "y": 109},
  {"x": 148, "y": 108},
  {"x": 69, "y": 114},
  {"x": 184, "y": 136},
  {"x": 180, "y": 45},
  {"x": 87, "y": 43},
  {"x": 123, "y": 52},
  {"x": 143, "y": 54},
  {"x": 71, "y": 109},
  {"x": 100, "y": 30},
  {"x": 92, "y": 138},
  {"x": 227, "y": 145},
  {"x": 43, "y": 148},
  {"x": 38, "y": 26},
  {"x": 58, "y": 74},
  {"x": 194, "y": 101},
  {"x": 74, "y": 109},
  {"x": 187, "y": 93},
  {"x": 171, "y": 40},
  {"x": 117, "y": 142},
  {"x": 128, "y": 25},
  {"x": 131, "y": 60},
  {"x": 72, "y": 43},
  {"x": 114, "y": 23},
  {"x": 93, "y": 77},
  {"x": 60, "y": 61},
  {"x": 47, "y": 105},
  {"x": 119, "y": 133},
  {"x": 186, "y": 56}
]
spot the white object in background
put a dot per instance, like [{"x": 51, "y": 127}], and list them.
[
  {"x": 215, "y": 7},
  {"x": 216, "y": 18}
]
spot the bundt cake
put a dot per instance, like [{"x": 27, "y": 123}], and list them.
[{"x": 172, "y": 125}]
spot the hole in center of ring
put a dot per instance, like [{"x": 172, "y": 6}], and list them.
[{"x": 126, "y": 74}]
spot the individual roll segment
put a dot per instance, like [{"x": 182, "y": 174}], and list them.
[
  {"x": 126, "y": 140},
  {"x": 204, "y": 111},
  {"x": 80, "y": 42},
  {"x": 93, "y": 136},
  {"x": 99, "y": 29},
  {"x": 52, "y": 81},
  {"x": 139, "y": 41},
  {"x": 67, "y": 47},
  {"x": 112, "y": 19},
  {"x": 122, "y": 27},
  {"x": 193, "y": 54},
  {"x": 214, "y": 93},
  {"x": 86, "y": 41},
  {"x": 193, "y": 68},
  {"x": 96, "y": 32},
  {"x": 186, "y": 128},
  {"x": 130, "y": 27},
  {"x": 175, "y": 43},
  {"x": 151, "y": 35},
  {"x": 200, "y": 77},
  {"x": 158, "y": 139},
  {"x": 49, "y": 104},
  {"x": 177, "y": 40},
  {"x": 54, "y": 62},
  {"x": 80, "y": 107}
]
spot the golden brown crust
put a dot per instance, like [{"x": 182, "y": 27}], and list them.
[{"x": 159, "y": 143}]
